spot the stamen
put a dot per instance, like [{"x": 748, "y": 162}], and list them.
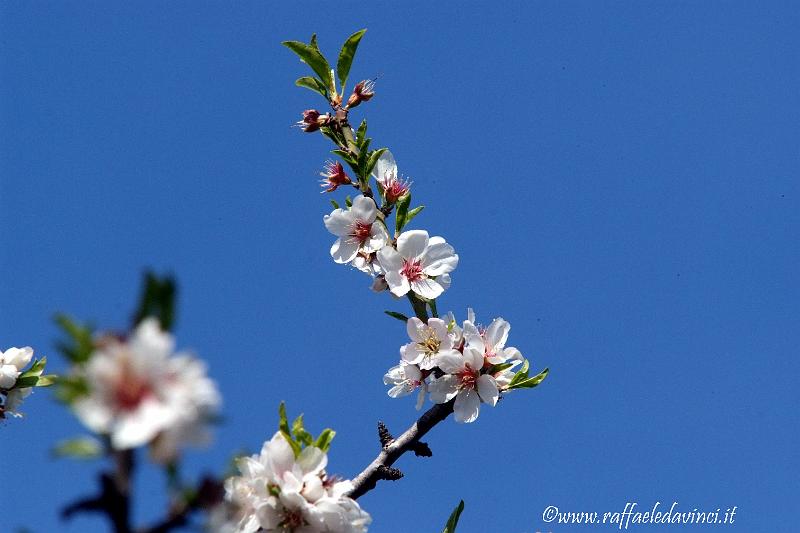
[{"x": 412, "y": 270}]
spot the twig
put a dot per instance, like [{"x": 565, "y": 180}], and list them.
[{"x": 407, "y": 442}]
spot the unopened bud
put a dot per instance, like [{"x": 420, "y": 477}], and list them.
[{"x": 362, "y": 92}]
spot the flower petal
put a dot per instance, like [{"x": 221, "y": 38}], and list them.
[
  {"x": 467, "y": 406},
  {"x": 427, "y": 288},
  {"x": 18, "y": 357},
  {"x": 364, "y": 209},
  {"x": 450, "y": 362},
  {"x": 412, "y": 244},
  {"x": 344, "y": 250},
  {"x": 398, "y": 284},
  {"x": 497, "y": 334},
  {"x": 439, "y": 259},
  {"x": 312, "y": 460},
  {"x": 443, "y": 389},
  {"x": 385, "y": 168},
  {"x": 339, "y": 222},
  {"x": 378, "y": 237},
  {"x": 389, "y": 259},
  {"x": 487, "y": 389}
]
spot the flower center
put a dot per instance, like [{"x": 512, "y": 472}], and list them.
[
  {"x": 468, "y": 377},
  {"x": 130, "y": 390},
  {"x": 431, "y": 344},
  {"x": 361, "y": 231},
  {"x": 412, "y": 270},
  {"x": 395, "y": 188},
  {"x": 292, "y": 520}
]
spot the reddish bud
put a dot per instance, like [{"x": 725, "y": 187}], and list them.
[
  {"x": 362, "y": 92},
  {"x": 333, "y": 176},
  {"x": 312, "y": 120}
]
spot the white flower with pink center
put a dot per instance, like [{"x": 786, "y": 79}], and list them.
[
  {"x": 386, "y": 175},
  {"x": 464, "y": 382},
  {"x": 357, "y": 229},
  {"x": 491, "y": 340},
  {"x": 140, "y": 391},
  {"x": 429, "y": 342},
  {"x": 420, "y": 264},
  {"x": 405, "y": 379},
  {"x": 279, "y": 492}
]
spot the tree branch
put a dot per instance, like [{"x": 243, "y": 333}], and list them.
[{"x": 391, "y": 452}]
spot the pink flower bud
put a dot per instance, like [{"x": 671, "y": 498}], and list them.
[
  {"x": 312, "y": 120},
  {"x": 333, "y": 176},
  {"x": 362, "y": 92}
]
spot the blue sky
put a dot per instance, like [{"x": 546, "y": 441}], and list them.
[{"x": 620, "y": 181}]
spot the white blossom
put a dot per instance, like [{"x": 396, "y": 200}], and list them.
[
  {"x": 491, "y": 340},
  {"x": 428, "y": 342},
  {"x": 12, "y": 361},
  {"x": 386, "y": 175},
  {"x": 279, "y": 492},
  {"x": 357, "y": 229},
  {"x": 406, "y": 378},
  {"x": 420, "y": 264},
  {"x": 464, "y": 382},
  {"x": 141, "y": 392}
]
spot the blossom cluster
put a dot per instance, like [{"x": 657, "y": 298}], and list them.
[
  {"x": 469, "y": 363},
  {"x": 281, "y": 491},
  {"x": 12, "y": 363},
  {"x": 140, "y": 392},
  {"x": 414, "y": 261}
]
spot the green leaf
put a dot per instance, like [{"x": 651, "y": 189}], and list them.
[
  {"x": 157, "y": 300},
  {"x": 348, "y": 201},
  {"x": 283, "y": 421},
  {"x": 310, "y": 54},
  {"x": 297, "y": 425},
  {"x": 361, "y": 132},
  {"x": 398, "y": 316},
  {"x": 335, "y": 204},
  {"x": 529, "y": 383},
  {"x": 363, "y": 156},
  {"x": 494, "y": 369},
  {"x": 78, "y": 448},
  {"x": 432, "y": 305},
  {"x": 402, "y": 211},
  {"x": 70, "y": 388},
  {"x": 333, "y": 135},
  {"x": 46, "y": 381},
  {"x": 27, "y": 381},
  {"x": 414, "y": 212},
  {"x": 452, "y": 522},
  {"x": 323, "y": 442},
  {"x": 79, "y": 345},
  {"x": 349, "y": 159},
  {"x": 35, "y": 370},
  {"x": 283, "y": 426},
  {"x": 346, "y": 55},
  {"x": 312, "y": 83},
  {"x": 373, "y": 160},
  {"x": 521, "y": 374}
]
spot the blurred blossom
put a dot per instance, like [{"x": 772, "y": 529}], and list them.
[{"x": 141, "y": 392}]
